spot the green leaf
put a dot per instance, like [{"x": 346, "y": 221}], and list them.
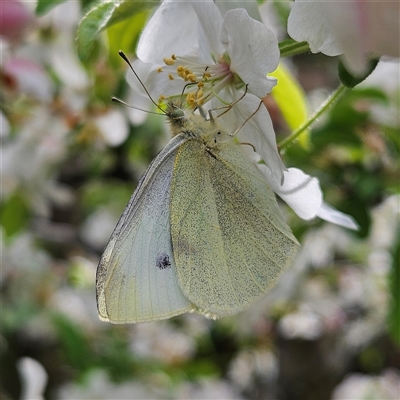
[
  {"x": 349, "y": 80},
  {"x": 14, "y": 214},
  {"x": 102, "y": 16},
  {"x": 291, "y": 101},
  {"x": 43, "y": 6},
  {"x": 124, "y": 35}
]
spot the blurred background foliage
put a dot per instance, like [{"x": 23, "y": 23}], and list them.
[{"x": 70, "y": 161}]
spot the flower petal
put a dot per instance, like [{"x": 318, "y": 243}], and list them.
[
  {"x": 157, "y": 83},
  {"x": 330, "y": 214},
  {"x": 310, "y": 22},
  {"x": 253, "y": 50},
  {"x": 258, "y": 130},
  {"x": 251, "y": 6},
  {"x": 299, "y": 190},
  {"x": 209, "y": 29},
  {"x": 171, "y": 30}
]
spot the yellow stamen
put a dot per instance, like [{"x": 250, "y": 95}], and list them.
[
  {"x": 190, "y": 99},
  {"x": 200, "y": 84},
  {"x": 191, "y": 77},
  {"x": 170, "y": 77},
  {"x": 181, "y": 71},
  {"x": 159, "y": 70},
  {"x": 169, "y": 61},
  {"x": 173, "y": 57}
]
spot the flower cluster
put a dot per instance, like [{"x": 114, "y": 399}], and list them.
[{"x": 223, "y": 61}]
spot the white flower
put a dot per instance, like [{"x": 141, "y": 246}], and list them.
[
  {"x": 211, "y": 58},
  {"x": 28, "y": 77},
  {"x": 357, "y": 29},
  {"x": 191, "y": 43},
  {"x": 34, "y": 378},
  {"x": 303, "y": 194}
]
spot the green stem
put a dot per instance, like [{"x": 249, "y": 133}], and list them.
[
  {"x": 324, "y": 107},
  {"x": 290, "y": 47}
]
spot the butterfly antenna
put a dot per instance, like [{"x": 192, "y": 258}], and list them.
[
  {"x": 125, "y": 58},
  {"x": 183, "y": 91},
  {"x": 251, "y": 116},
  {"x": 229, "y": 106},
  {"x": 119, "y": 101}
]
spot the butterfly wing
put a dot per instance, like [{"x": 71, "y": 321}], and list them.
[
  {"x": 136, "y": 278},
  {"x": 229, "y": 239}
]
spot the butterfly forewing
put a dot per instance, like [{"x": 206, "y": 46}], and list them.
[
  {"x": 229, "y": 239},
  {"x": 136, "y": 277}
]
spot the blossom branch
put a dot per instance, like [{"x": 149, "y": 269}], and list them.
[
  {"x": 291, "y": 47},
  {"x": 324, "y": 107}
]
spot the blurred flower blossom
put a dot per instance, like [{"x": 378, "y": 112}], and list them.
[
  {"x": 356, "y": 29},
  {"x": 385, "y": 77},
  {"x": 113, "y": 127},
  {"x": 29, "y": 78},
  {"x": 40, "y": 144},
  {"x": 97, "y": 228},
  {"x": 162, "y": 342},
  {"x": 208, "y": 388},
  {"x": 99, "y": 386},
  {"x": 301, "y": 324},
  {"x": 20, "y": 256},
  {"x": 16, "y": 18},
  {"x": 251, "y": 366},
  {"x": 79, "y": 305},
  {"x": 366, "y": 387},
  {"x": 33, "y": 379}
]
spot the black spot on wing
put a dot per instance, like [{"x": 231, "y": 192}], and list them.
[{"x": 163, "y": 261}]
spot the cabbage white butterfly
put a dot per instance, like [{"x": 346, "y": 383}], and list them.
[{"x": 201, "y": 233}]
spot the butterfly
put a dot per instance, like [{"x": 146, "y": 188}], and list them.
[{"x": 201, "y": 233}]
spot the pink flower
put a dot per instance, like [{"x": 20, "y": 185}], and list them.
[{"x": 15, "y": 18}]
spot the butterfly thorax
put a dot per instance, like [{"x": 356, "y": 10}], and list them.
[{"x": 197, "y": 127}]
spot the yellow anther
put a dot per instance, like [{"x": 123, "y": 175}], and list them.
[
  {"x": 159, "y": 69},
  {"x": 170, "y": 77},
  {"x": 169, "y": 61},
  {"x": 173, "y": 57},
  {"x": 190, "y": 98},
  {"x": 181, "y": 71},
  {"x": 207, "y": 75},
  {"x": 200, "y": 84},
  {"x": 191, "y": 77},
  {"x": 161, "y": 98},
  {"x": 199, "y": 93}
]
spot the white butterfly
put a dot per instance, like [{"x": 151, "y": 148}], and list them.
[{"x": 202, "y": 232}]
